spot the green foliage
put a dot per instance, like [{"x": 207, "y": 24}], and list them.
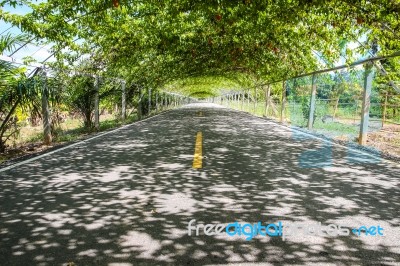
[
  {"x": 80, "y": 97},
  {"x": 8, "y": 42},
  {"x": 15, "y": 95},
  {"x": 305, "y": 109},
  {"x": 16, "y": 92},
  {"x": 154, "y": 43}
]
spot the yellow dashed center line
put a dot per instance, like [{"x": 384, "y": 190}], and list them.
[{"x": 198, "y": 151}]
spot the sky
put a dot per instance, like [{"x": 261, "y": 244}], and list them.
[{"x": 39, "y": 53}]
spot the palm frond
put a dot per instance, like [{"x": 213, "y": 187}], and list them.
[{"x": 9, "y": 42}]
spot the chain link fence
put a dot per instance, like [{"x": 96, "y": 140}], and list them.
[{"x": 337, "y": 106}]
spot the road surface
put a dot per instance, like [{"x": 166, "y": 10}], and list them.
[{"x": 126, "y": 197}]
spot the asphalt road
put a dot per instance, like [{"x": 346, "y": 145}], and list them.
[{"x": 126, "y": 198}]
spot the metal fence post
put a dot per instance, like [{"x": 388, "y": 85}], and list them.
[
  {"x": 46, "y": 111},
  {"x": 368, "y": 76},
  {"x": 267, "y": 94},
  {"x": 148, "y": 112},
  {"x": 384, "y": 109},
  {"x": 312, "y": 102},
  {"x": 283, "y": 103},
  {"x": 255, "y": 100},
  {"x": 139, "y": 109},
  {"x": 123, "y": 103},
  {"x": 248, "y": 100},
  {"x": 156, "y": 101},
  {"x": 96, "y": 103}
]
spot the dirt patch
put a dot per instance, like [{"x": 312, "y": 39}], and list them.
[
  {"x": 386, "y": 140},
  {"x": 27, "y": 151}
]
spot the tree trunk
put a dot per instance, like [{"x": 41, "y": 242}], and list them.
[
  {"x": 88, "y": 119},
  {"x": 3, "y": 126}
]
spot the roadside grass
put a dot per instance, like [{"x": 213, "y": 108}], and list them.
[
  {"x": 29, "y": 140},
  {"x": 345, "y": 126}
]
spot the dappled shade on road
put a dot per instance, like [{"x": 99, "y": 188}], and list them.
[{"x": 128, "y": 196}]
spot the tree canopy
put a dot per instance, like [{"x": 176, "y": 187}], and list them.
[{"x": 164, "y": 43}]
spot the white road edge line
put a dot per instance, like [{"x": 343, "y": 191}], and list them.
[{"x": 77, "y": 143}]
